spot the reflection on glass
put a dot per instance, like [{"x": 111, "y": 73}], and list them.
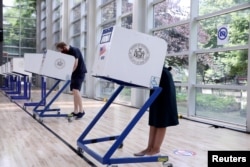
[
  {"x": 222, "y": 68},
  {"x": 179, "y": 66},
  {"x": 171, "y": 11},
  {"x": 127, "y": 6},
  {"x": 181, "y": 98},
  {"x": 224, "y": 105},
  {"x": 209, "y": 6},
  {"x": 127, "y": 21},
  {"x": 109, "y": 11},
  {"x": 177, "y": 38},
  {"x": 238, "y": 30},
  {"x": 77, "y": 13}
]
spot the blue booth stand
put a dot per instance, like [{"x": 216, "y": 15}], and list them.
[
  {"x": 107, "y": 159},
  {"x": 43, "y": 112},
  {"x": 43, "y": 95},
  {"x": 55, "y": 65}
]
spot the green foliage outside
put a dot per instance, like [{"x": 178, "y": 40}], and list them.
[{"x": 216, "y": 103}]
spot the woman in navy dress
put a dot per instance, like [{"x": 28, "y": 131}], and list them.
[{"x": 162, "y": 114}]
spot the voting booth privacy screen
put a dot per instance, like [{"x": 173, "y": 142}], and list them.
[
  {"x": 17, "y": 66},
  {"x": 129, "y": 56},
  {"x": 51, "y": 64}
]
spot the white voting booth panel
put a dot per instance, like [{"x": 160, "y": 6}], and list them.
[
  {"x": 1, "y": 70},
  {"x": 57, "y": 65},
  {"x": 8, "y": 68},
  {"x": 32, "y": 62},
  {"x": 131, "y": 57},
  {"x": 52, "y": 64},
  {"x": 17, "y": 66}
]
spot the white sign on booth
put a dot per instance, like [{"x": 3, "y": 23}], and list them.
[{"x": 131, "y": 57}]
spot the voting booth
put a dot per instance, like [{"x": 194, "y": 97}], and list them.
[
  {"x": 17, "y": 66},
  {"x": 50, "y": 64},
  {"x": 128, "y": 58},
  {"x": 54, "y": 65}
]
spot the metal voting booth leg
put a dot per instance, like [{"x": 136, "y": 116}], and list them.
[
  {"x": 16, "y": 86},
  {"x": 26, "y": 89},
  {"x": 43, "y": 94},
  {"x": 41, "y": 113},
  {"x": 106, "y": 159},
  {"x": 10, "y": 83}
]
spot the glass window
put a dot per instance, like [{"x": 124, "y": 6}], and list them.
[
  {"x": 179, "y": 66},
  {"x": 209, "y": 6},
  {"x": 56, "y": 26},
  {"x": 28, "y": 32},
  {"x": 43, "y": 14},
  {"x": 109, "y": 11},
  {"x": 223, "y": 105},
  {"x": 27, "y": 50},
  {"x": 28, "y": 42},
  {"x": 76, "y": 1},
  {"x": 77, "y": 27},
  {"x": 77, "y": 12},
  {"x": 125, "y": 95},
  {"x": 10, "y": 12},
  {"x": 43, "y": 4},
  {"x": 127, "y": 21},
  {"x": 30, "y": 23},
  {"x": 127, "y": 6},
  {"x": 108, "y": 25},
  {"x": 57, "y": 37},
  {"x": 104, "y": 1},
  {"x": 171, "y": 11},
  {"x": 43, "y": 24},
  {"x": 181, "y": 99},
  {"x": 56, "y": 14},
  {"x": 177, "y": 38},
  {"x": 56, "y": 3},
  {"x": 237, "y": 24},
  {"x": 43, "y": 34},
  {"x": 77, "y": 41},
  {"x": 229, "y": 68}
]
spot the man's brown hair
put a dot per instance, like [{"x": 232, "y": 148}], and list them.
[{"x": 60, "y": 45}]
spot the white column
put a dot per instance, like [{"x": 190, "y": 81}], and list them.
[
  {"x": 139, "y": 24},
  {"x": 192, "y": 57},
  {"x": 91, "y": 46}
]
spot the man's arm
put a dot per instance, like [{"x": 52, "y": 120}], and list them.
[{"x": 75, "y": 65}]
